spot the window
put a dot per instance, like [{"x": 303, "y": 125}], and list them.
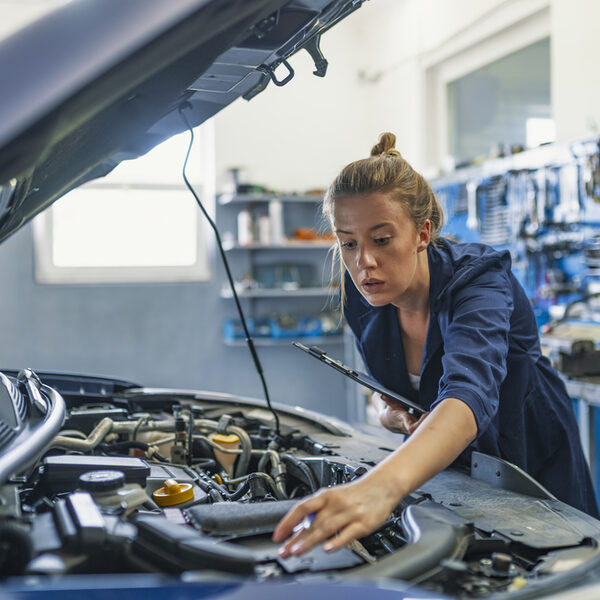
[
  {"x": 476, "y": 84},
  {"x": 138, "y": 224},
  {"x": 499, "y": 106}
]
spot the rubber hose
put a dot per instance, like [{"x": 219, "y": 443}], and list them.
[
  {"x": 128, "y": 445},
  {"x": 304, "y": 468}
]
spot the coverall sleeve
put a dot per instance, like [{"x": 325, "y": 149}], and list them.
[{"x": 475, "y": 327}]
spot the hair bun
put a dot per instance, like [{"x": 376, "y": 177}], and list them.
[{"x": 386, "y": 145}]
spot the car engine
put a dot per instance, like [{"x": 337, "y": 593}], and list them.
[{"x": 101, "y": 476}]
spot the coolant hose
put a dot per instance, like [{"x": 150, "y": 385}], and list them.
[
  {"x": 243, "y": 462},
  {"x": 277, "y": 470},
  {"x": 117, "y": 447},
  {"x": 98, "y": 434}
]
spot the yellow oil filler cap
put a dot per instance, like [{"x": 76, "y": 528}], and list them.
[
  {"x": 227, "y": 442},
  {"x": 173, "y": 493}
]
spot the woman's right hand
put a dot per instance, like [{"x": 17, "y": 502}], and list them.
[
  {"x": 338, "y": 515},
  {"x": 393, "y": 416}
]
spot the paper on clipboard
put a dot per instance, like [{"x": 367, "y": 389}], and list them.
[{"x": 360, "y": 377}]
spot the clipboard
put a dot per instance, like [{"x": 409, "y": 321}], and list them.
[{"x": 360, "y": 377}]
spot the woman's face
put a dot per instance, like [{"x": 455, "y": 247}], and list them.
[{"x": 382, "y": 250}]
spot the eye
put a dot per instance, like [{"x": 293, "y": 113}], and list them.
[
  {"x": 348, "y": 245},
  {"x": 382, "y": 241}
]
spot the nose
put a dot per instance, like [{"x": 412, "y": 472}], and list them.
[{"x": 366, "y": 258}]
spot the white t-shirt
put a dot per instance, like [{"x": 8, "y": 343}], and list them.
[{"x": 415, "y": 381}]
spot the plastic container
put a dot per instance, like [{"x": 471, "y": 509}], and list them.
[
  {"x": 276, "y": 219},
  {"x": 264, "y": 230},
  {"x": 244, "y": 227}
]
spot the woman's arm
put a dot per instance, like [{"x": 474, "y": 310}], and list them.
[{"x": 356, "y": 509}]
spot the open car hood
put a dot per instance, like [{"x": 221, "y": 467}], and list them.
[{"x": 95, "y": 82}]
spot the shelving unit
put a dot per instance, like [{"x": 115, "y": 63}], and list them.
[{"x": 287, "y": 276}]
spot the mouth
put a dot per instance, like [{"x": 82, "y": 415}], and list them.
[{"x": 370, "y": 284}]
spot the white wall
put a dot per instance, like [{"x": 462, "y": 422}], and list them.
[
  {"x": 299, "y": 136},
  {"x": 294, "y": 137},
  {"x": 381, "y": 61},
  {"x": 575, "y": 74}
]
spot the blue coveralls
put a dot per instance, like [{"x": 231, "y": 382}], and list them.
[{"x": 483, "y": 347}]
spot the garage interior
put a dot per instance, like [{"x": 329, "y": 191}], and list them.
[{"x": 496, "y": 102}]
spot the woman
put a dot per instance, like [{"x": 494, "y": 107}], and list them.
[{"x": 449, "y": 326}]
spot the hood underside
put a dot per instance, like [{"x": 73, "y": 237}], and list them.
[{"x": 112, "y": 87}]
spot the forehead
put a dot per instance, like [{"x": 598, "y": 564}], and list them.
[{"x": 367, "y": 210}]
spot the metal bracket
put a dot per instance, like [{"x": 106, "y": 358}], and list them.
[
  {"x": 259, "y": 87},
  {"x": 502, "y": 474},
  {"x": 314, "y": 49},
  {"x": 33, "y": 384},
  {"x": 223, "y": 424}
]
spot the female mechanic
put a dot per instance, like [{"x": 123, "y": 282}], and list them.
[{"x": 445, "y": 324}]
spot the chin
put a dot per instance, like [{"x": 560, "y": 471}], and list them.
[{"x": 377, "y": 300}]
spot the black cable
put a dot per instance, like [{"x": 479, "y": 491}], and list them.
[
  {"x": 240, "y": 491},
  {"x": 249, "y": 340},
  {"x": 207, "y": 484}
]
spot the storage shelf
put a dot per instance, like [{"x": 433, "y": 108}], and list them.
[
  {"x": 249, "y": 198},
  {"x": 279, "y": 293},
  {"x": 291, "y": 245},
  {"x": 297, "y": 211},
  {"x": 259, "y": 341}
]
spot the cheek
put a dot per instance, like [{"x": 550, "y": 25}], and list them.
[
  {"x": 349, "y": 264},
  {"x": 346, "y": 258}
]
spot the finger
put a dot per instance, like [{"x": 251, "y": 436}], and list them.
[
  {"x": 352, "y": 532},
  {"x": 394, "y": 420},
  {"x": 392, "y": 402},
  {"x": 286, "y": 526},
  {"x": 290, "y": 546},
  {"x": 403, "y": 417},
  {"x": 413, "y": 426},
  {"x": 323, "y": 527},
  {"x": 423, "y": 417}
]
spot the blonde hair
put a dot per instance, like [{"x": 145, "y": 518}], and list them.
[{"x": 385, "y": 171}]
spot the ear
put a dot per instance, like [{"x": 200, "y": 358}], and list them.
[{"x": 424, "y": 236}]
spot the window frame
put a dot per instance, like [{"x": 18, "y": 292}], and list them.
[{"x": 46, "y": 272}]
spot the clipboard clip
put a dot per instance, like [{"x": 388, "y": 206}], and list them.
[{"x": 322, "y": 355}]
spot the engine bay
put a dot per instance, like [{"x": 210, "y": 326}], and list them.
[{"x": 100, "y": 476}]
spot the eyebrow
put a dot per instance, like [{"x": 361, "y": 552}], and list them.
[{"x": 378, "y": 226}]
